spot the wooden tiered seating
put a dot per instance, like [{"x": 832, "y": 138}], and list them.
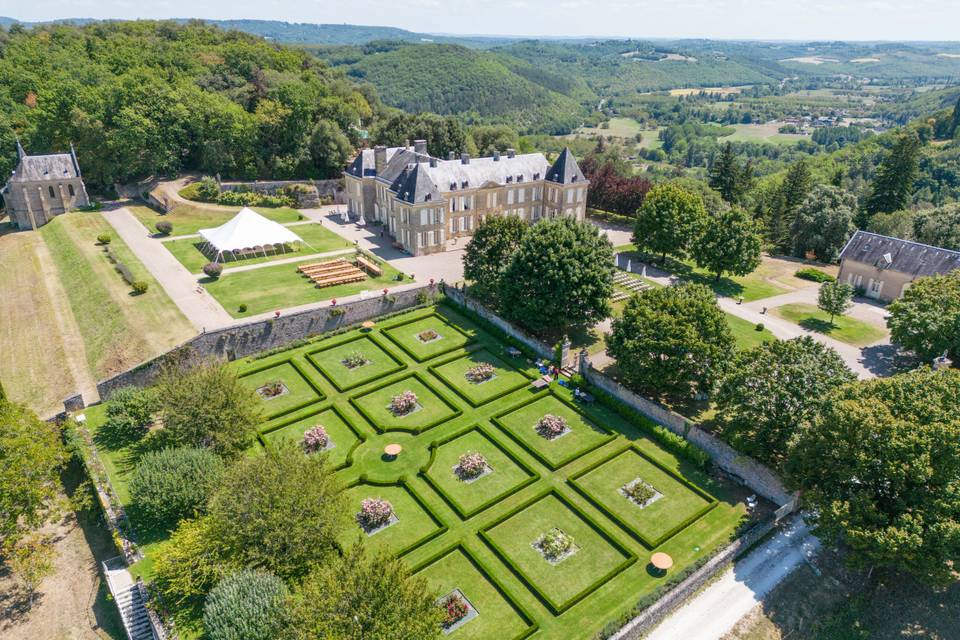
[
  {"x": 331, "y": 273},
  {"x": 368, "y": 266}
]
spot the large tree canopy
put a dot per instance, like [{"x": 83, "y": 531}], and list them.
[
  {"x": 823, "y": 222},
  {"x": 672, "y": 341},
  {"x": 880, "y": 469},
  {"x": 926, "y": 318},
  {"x": 774, "y": 389},
  {"x": 893, "y": 183},
  {"x": 731, "y": 243},
  {"x": 561, "y": 276},
  {"x": 490, "y": 251},
  {"x": 669, "y": 221}
]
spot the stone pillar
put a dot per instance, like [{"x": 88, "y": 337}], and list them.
[
  {"x": 565, "y": 351},
  {"x": 584, "y": 362},
  {"x": 74, "y": 403},
  {"x": 942, "y": 363},
  {"x": 26, "y": 202}
]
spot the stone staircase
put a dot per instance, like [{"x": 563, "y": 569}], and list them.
[
  {"x": 129, "y": 596},
  {"x": 631, "y": 284}
]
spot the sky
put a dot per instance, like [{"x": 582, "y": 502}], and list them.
[{"x": 726, "y": 19}]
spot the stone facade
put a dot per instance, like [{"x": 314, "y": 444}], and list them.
[
  {"x": 426, "y": 203},
  {"x": 43, "y": 187}
]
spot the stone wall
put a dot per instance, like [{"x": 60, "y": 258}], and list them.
[
  {"x": 244, "y": 340},
  {"x": 540, "y": 348},
  {"x": 332, "y": 188}
]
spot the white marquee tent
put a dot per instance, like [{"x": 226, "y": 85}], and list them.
[{"x": 248, "y": 232}]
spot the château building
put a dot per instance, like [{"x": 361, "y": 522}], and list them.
[
  {"x": 42, "y": 187},
  {"x": 426, "y": 203}
]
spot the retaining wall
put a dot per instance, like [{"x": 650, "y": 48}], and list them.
[
  {"x": 542, "y": 349},
  {"x": 240, "y": 341}
]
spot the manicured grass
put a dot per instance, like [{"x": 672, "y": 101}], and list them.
[
  {"x": 412, "y": 339},
  {"x": 431, "y": 408},
  {"x": 678, "y": 502},
  {"x": 298, "y": 392},
  {"x": 342, "y": 437},
  {"x": 498, "y": 617},
  {"x": 746, "y": 334},
  {"x": 316, "y": 238},
  {"x": 414, "y": 523},
  {"x": 505, "y": 476},
  {"x": 378, "y": 363},
  {"x": 188, "y": 219},
  {"x": 505, "y": 378},
  {"x": 281, "y": 286},
  {"x": 768, "y": 133},
  {"x": 583, "y": 435},
  {"x": 844, "y": 328},
  {"x": 559, "y": 583}
]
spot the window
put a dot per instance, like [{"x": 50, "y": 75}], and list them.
[
  {"x": 520, "y": 194},
  {"x": 70, "y": 189},
  {"x": 570, "y": 196},
  {"x": 52, "y": 194},
  {"x": 510, "y": 196},
  {"x": 423, "y": 218}
]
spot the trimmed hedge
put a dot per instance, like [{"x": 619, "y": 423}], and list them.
[
  {"x": 173, "y": 484},
  {"x": 288, "y": 420},
  {"x": 558, "y": 608},
  {"x": 246, "y": 605},
  {"x": 457, "y": 412},
  {"x": 310, "y": 356},
  {"x": 385, "y": 331},
  {"x": 403, "y": 484},
  {"x": 814, "y": 275},
  {"x": 470, "y": 349},
  {"x": 321, "y": 396}
]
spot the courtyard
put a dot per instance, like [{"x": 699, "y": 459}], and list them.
[{"x": 546, "y": 470}]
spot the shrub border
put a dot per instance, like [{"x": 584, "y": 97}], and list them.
[
  {"x": 532, "y": 476},
  {"x": 321, "y": 396},
  {"x": 596, "y": 502},
  {"x": 457, "y": 411},
  {"x": 433, "y": 370},
  {"x": 403, "y": 484},
  {"x": 386, "y": 332},
  {"x": 532, "y": 625},
  {"x": 554, "y": 607},
  {"x": 496, "y": 419},
  {"x": 288, "y": 420},
  {"x": 309, "y": 356}
]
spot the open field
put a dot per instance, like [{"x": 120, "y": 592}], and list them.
[
  {"x": 844, "y": 328},
  {"x": 763, "y": 133},
  {"x": 625, "y": 129},
  {"x": 723, "y": 91},
  {"x": 480, "y": 536},
  {"x": 188, "y": 219},
  {"x": 316, "y": 238}
]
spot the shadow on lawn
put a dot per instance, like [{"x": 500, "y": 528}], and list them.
[
  {"x": 724, "y": 286},
  {"x": 818, "y": 325}
]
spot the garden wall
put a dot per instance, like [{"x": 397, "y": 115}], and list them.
[
  {"x": 540, "y": 348},
  {"x": 240, "y": 341},
  {"x": 332, "y": 188}
]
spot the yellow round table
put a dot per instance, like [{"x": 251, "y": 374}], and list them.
[
  {"x": 392, "y": 450},
  {"x": 661, "y": 561}
]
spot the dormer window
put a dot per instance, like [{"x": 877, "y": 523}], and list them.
[
  {"x": 536, "y": 176},
  {"x": 428, "y": 197},
  {"x": 453, "y": 186},
  {"x": 509, "y": 179},
  {"x": 520, "y": 178},
  {"x": 464, "y": 184}
]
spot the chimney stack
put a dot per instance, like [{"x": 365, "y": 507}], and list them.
[
  {"x": 406, "y": 143},
  {"x": 464, "y": 158},
  {"x": 451, "y": 155},
  {"x": 496, "y": 155},
  {"x": 420, "y": 146},
  {"x": 379, "y": 158},
  {"x": 511, "y": 153},
  {"x": 433, "y": 161}
]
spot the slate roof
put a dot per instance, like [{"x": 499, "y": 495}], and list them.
[
  {"x": 413, "y": 185},
  {"x": 365, "y": 165},
  {"x": 55, "y": 166},
  {"x": 565, "y": 169},
  {"x": 450, "y": 175},
  {"x": 904, "y": 256}
]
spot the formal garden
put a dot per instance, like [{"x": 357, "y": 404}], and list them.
[{"x": 524, "y": 509}]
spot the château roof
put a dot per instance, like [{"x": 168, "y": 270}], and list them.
[
  {"x": 413, "y": 185},
  {"x": 904, "y": 256},
  {"x": 453, "y": 175},
  {"x": 365, "y": 164},
  {"x": 565, "y": 169},
  {"x": 56, "y": 166}
]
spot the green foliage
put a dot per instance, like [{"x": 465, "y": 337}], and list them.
[
  {"x": 814, "y": 275},
  {"x": 104, "y": 238},
  {"x": 785, "y": 199},
  {"x": 189, "y": 564},
  {"x": 490, "y": 252},
  {"x": 730, "y": 178},
  {"x": 879, "y": 469},
  {"x": 939, "y": 227},
  {"x": 164, "y": 227},
  {"x": 669, "y": 221},
  {"x": 208, "y": 406},
  {"x": 896, "y": 224},
  {"x": 926, "y": 318},
  {"x": 282, "y": 511},
  {"x": 672, "y": 342},
  {"x": 170, "y": 485},
  {"x": 443, "y": 134},
  {"x": 213, "y": 269},
  {"x": 139, "y": 286},
  {"x": 31, "y": 456},
  {"x": 560, "y": 277},
  {"x": 730, "y": 243},
  {"x": 835, "y": 298},
  {"x": 772, "y": 391},
  {"x": 893, "y": 183},
  {"x": 31, "y": 560},
  {"x": 130, "y": 411},
  {"x": 490, "y": 138},
  {"x": 363, "y": 597},
  {"x": 823, "y": 223},
  {"x": 246, "y": 605}
]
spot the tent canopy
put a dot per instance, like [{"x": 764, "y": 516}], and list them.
[{"x": 246, "y": 230}]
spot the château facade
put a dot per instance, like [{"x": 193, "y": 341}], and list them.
[
  {"x": 42, "y": 187},
  {"x": 426, "y": 203}
]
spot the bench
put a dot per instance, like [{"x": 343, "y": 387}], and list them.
[{"x": 369, "y": 266}]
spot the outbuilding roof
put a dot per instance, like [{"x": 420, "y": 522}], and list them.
[
  {"x": 56, "y": 166},
  {"x": 904, "y": 256}
]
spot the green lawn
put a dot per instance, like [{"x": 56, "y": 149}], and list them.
[
  {"x": 478, "y": 536},
  {"x": 316, "y": 238},
  {"x": 377, "y": 362},
  {"x": 188, "y": 219},
  {"x": 844, "y": 328},
  {"x": 281, "y": 286},
  {"x": 746, "y": 334},
  {"x": 505, "y": 378},
  {"x": 296, "y": 391},
  {"x": 427, "y": 337}
]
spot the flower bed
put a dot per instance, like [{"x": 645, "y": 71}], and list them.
[
  {"x": 555, "y": 545},
  {"x": 315, "y": 439},
  {"x": 272, "y": 389},
  {"x": 454, "y": 608},
  {"x": 471, "y": 466},
  {"x": 403, "y": 403},
  {"x": 427, "y": 335},
  {"x": 374, "y": 513},
  {"x": 480, "y": 373},
  {"x": 354, "y": 359},
  {"x": 551, "y": 426},
  {"x": 639, "y": 492}
]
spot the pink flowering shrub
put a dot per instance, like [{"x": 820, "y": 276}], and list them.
[
  {"x": 374, "y": 513},
  {"x": 470, "y": 466},
  {"x": 551, "y": 426},
  {"x": 403, "y": 403},
  {"x": 480, "y": 372},
  {"x": 315, "y": 439},
  {"x": 454, "y": 610}
]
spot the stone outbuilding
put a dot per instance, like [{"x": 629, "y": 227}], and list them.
[{"x": 42, "y": 187}]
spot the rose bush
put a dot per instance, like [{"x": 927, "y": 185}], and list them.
[
  {"x": 374, "y": 513},
  {"x": 315, "y": 439},
  {"x": 480, "y": 373},
  {"x": 403, "y": 403},
  {"x": 471, "y": 465},
  {"x": 551, "y": 426}
]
